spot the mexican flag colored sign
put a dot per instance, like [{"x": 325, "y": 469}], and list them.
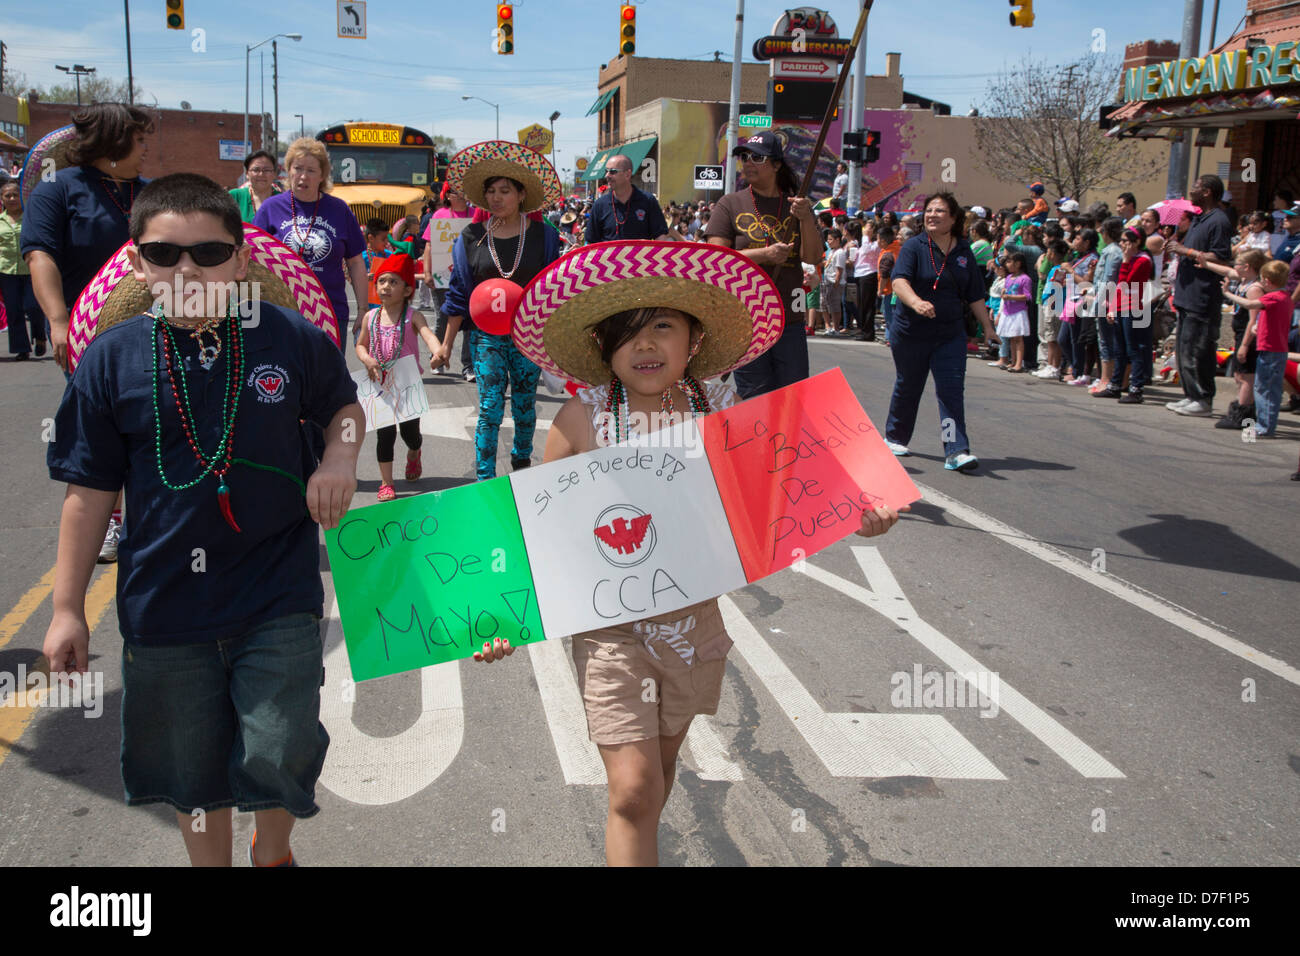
[{"x": 611, "y": 536}]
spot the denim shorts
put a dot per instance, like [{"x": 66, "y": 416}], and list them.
[{"x": 232, "y": 723}]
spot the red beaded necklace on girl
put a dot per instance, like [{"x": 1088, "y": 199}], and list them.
[{"x": 394, "y": 350}]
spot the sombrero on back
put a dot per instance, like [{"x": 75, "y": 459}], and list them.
[
  {"x": 53, "y": 147},
  {"x": 735, "y": 301},
  {"x": 473, "y": 165},
  {"x": 281, "y": 277}
]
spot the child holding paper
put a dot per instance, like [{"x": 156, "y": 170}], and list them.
[
  {"x": 219, "y": 595},
  {"x": 389, "y": 333},
  {"x": 647, "y": 341}
]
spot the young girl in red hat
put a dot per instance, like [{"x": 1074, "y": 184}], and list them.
[{"x": 389, "y": 333}]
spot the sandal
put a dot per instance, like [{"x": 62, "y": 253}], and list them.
[
  {"x": 386, "y": 493},
  {"x": 252, "y": 860},
  {"x": 413, "y": 466}
]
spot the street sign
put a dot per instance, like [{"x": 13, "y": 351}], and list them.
[
  {"x": 709, "y": 177},
  {"x": 755, "y": 121},
  {"x": 799, "y": 99},
  {"x": 802, "y": 68},
  {"x": 352, "y": 19},
  {"x": 581, "y": 163}
]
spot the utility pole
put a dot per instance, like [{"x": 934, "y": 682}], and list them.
[
  {"x": 1179, "y": 153},
  {"x": 275, "y": 96},
  {"x": 855, "y": 122},
  {"x": 130, "y": 77},
  {"x": 733, "y": 114}
]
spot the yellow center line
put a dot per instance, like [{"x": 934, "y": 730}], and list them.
[
  {"x": 12, "y": 622},
  {"x": 14, "y": 720}
]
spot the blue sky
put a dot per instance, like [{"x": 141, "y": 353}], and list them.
[{"x": 421, "y": 57}]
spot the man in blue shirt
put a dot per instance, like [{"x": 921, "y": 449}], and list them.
[
  {"x": 625, "y": 212},
  {"x": 1291, "y": 222}
]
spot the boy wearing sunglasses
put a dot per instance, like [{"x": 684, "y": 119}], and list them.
[{"x": 196, "y": 413}]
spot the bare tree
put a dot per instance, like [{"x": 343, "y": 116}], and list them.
[{"x": 1040, "y": 120}]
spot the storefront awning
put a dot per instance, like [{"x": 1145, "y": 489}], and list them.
[
  {"x": 636, "y": 151},
  {"x": 601, "y": 100},
  {"x": 8, "y": 142},
  {"x": 1152, "y": 119}
]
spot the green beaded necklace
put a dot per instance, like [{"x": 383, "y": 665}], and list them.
[{"x": 219, "y": 462}]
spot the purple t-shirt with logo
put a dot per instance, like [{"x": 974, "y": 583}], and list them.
[{"x": 324, "y": 233}]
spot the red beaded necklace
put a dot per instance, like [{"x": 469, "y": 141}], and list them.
[
  {"x": 930, "y": 248},
  {"x": 130, "y": 200},
  {"x": 772, "y": 235},
  {"x": 616, "y": 405},
  {"x": 218, "y": 463}
]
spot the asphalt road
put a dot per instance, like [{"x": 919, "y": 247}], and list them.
[{"x": 1125, "y": 575}]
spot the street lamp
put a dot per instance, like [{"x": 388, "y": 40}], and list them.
[
  {"x": 302, "y": 126},
  {"x": 248, "y": 50},
  {"x": 493, "y": 105},
  {"x": 554, "y": 117},
  {"x": 78, "y": 71}
]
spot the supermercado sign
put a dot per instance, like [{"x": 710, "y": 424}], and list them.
[{"x": 1218, "y": 73}]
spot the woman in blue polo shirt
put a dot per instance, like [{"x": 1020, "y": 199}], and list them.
[{"x": 936, "y": 277}]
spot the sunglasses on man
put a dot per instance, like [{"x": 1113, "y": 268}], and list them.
[{"x": 204, "y": 254}]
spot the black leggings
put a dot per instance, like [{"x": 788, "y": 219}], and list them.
[{"x": 386, "y": 438}]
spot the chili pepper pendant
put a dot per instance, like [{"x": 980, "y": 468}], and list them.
[{"x": 223, "y": 502}]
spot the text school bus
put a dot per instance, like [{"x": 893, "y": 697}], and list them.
[{"x": 381, "y": 170}]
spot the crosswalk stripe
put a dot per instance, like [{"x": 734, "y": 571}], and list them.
[
  {"x": 579, "y": 759},
  {"x": 859, "y": 745},
  {"x": 887, "y": 598},
  {"x": 1166, "y": 611}
]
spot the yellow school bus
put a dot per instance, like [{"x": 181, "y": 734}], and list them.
[{"x": 381, "y": 170}]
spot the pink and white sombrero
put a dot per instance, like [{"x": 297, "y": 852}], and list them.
[
  {"x": 474, "y": 165},
  {"x": 52, "y": 146},
  {"x": 281, "y": 277},
  {"x": 735, "y": 301}
]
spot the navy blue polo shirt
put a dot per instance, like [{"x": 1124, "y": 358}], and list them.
[
  {"x": 948, "y": 282},
  {"x": 640, "y": 218},
  {"x": 81, "y": 218},
  {"x": 104, "y": 439}
]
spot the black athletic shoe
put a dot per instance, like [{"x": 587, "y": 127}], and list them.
[
  {"x": 1131, "y": 398},
  {"x": 1110, "y": 391},
  {"x": 517, "y": 463}
]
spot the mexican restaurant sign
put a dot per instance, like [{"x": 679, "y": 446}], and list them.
[{"x": 1218, "y": 73}]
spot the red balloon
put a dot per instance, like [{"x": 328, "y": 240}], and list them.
[{"x": 492, "y": 305}]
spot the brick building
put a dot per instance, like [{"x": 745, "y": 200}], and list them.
[
  {"x": 1244, "y": 94},
  {"x": 183, "y": 140}
]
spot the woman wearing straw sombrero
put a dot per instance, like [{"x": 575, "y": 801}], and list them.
[{"x": 491, "y": 262}]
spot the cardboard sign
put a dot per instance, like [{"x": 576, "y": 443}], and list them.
[
  {"x": 399, "y": 396},
  {"x": 630, "y": 532},
  {"x": 795, "y": 468},
  {"x": 443, "y": 234},
  {"x": 428, "y": 579}
]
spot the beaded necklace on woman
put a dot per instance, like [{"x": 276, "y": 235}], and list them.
[{"x": 495, "y": 224}]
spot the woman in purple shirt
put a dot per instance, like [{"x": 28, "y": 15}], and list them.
[{"x": 319, "y": 227}]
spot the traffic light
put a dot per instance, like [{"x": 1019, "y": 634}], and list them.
[
  {"x": 1022, "y": 14},
  {"x": 852, "y": 151},
  {"x": 627, "y": 28},
  {"x": 505, "y": 28},
  {"x": 175, "y": 14},
  {"x": 870, "y": 145}
]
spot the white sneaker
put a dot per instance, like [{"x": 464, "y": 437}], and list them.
[
  {"x": 108, "y": 552},
  {"x": 1197, "y": 409},
  {"x": 1047, "y": 371},
  {"x": 1181, "y": 403},
  {"x": 900, "y": 451}
]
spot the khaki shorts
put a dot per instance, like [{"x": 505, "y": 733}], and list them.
[
  {"x": 631, "y": 694},
  {"x": 1049, "y": 323}
]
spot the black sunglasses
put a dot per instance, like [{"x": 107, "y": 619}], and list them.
[{"x": 204, "y": 254}]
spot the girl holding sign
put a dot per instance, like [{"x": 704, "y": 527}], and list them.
[
  {"x": 389, "y": 333},
  {"x": 645, "y": 324}
]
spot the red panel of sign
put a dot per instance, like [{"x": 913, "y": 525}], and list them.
[{"x": 795, "y": 469}]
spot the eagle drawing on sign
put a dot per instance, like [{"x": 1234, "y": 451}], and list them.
[{"x": 623, "y": 537}]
